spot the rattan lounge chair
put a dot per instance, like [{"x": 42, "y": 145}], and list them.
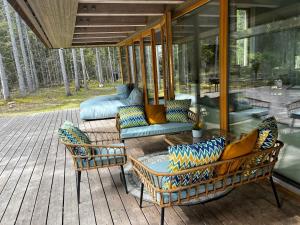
[
  {"x": 100, "y": 156},
  {"x": 214, "y": 187}
]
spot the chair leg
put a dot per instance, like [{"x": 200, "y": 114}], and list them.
[
  {"x": 78, "y": 185},
  {"x": 275, "y": 192},
  {"x": 142, "y": 194},
  {"x": 162, "y": 216},
  {"x": 124, "y": 179}
]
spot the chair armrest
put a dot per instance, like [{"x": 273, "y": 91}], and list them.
[
  {"x": 118, "y": 122},
  {"x": 192, "y": 116}
]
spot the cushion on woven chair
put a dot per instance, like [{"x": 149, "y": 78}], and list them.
[
  {"x": 132, "y": 116},
  {"x": 156, "y": 114},
  {"x": 177, "y": 110},
  {"x": 182, "y": 157},
  {"x": 237, "y": 149},
  {"x": 73, "y": 135},
  {"x": 267, "y": 133}
]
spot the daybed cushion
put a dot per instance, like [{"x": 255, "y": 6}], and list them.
[
  {"x": 101, "y": 110},
  {"x": 135, "y": 97},
  {"x": 132, "y": 116},
  {"x": 177, "y": 110},
  {"x": 98, "y": 100},
  {"x": 123, "y": 91},
  {"x": 237, "y": 149},
  {"x": 155, "y": 129},
  {"x": 156, "y": 114}
]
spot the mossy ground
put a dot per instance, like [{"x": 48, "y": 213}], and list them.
[{"x": 53, "y": 98}]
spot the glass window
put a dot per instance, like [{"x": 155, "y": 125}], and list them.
[
  {"x": 196, "y": 59},
  {"x": 265, "y": 72}
]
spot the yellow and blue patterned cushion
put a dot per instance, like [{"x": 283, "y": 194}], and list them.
[
  {"x": 73, "y": 135},
  {"x": 182, "y": 157},
  {"x": 177, "y": 110},
  {"x": 268, "y": 133},
  {"x": 132, "y": 116}
]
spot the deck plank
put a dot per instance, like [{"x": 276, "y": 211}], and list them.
[{"x": 38, "y": 184}]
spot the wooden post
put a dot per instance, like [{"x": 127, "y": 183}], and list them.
[
  {"x": 154, "y": 67},
  {"x": 143, "y": 69},
  {"x": 170, "y": 54},
  {"x": 128, "y": 65},
  {"x": 162, "y": 38},
  {"x": 120, "y": 64},
  {"x": 224, "y": 62},
  {"x": 134, "y": 65}
]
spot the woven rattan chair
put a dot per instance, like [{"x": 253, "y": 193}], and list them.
[
  {"x": 251, "y": 168},
  {"x": 100, "y": 156}
]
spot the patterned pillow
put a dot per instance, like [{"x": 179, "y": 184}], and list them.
[
  {"x": 177, "y": 110},
  {"x": 73, "y": 135},
  {"x": 132, "y": 116},
  {"x": 268, "y": 133},
  {"x": 183, "y": 157}
]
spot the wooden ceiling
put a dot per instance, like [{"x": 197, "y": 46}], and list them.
[{"x": 67, "y": 23}]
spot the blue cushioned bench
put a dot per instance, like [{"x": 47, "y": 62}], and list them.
[{"x": 156, "y": 129}]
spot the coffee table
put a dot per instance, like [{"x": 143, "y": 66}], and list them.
[{"x": 187, "y": 137}]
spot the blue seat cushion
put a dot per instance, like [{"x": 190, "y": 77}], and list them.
[
  {"x": 106, "y": 160},
  {"x": 155, "y": 129},
  {"x": 100, "y": 110},
  {"x": 99, "y": 99}
]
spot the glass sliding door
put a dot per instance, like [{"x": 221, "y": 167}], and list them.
[
  {"x": 196, "y": 59},
  {"x": 265, "y": 72}
]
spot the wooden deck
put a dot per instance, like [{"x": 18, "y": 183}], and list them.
[{"x": 37, "y": 184}]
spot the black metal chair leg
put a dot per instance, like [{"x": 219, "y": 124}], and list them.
[
  {"x": 275, "y": 192},
  {"x": 78, "y": 185},
  {"x": 124, "y": 179},
  {"x": 142, "y": 194},
  {"x": 162, "y": 216}
]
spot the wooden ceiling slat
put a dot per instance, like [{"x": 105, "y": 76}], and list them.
[
  {"x": 120, "y": 10},
  {"x": 105, "y": 35},
  {"x": 120, "y": 20},
  {"x": 57, "y": 18},
  {"x": 134, "y": 1},
  {"x": 93, "y": 30}
]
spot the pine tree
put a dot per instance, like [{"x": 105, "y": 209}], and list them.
[
  {"x": 76, "y": 78},
  {"x": 4, "y": 83},
  {"x": 64, "y": 73}
]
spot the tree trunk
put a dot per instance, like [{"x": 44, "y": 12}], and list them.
[
  {"x": 64, "y": 73},
  {"x": 99, "y": 67},
  {"x": 24, "y": 55},
  {"x": 111, "y": 66},
  {"x": 15, "y": 50},
  {"x": 83, "y": 70},
  {"x": 4, "y": 83},
  {"x": 31, "y": 58},
  {"x": 77, "y": 85}
]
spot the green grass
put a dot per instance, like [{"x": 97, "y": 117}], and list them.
[{"x": 53, "y": 98}]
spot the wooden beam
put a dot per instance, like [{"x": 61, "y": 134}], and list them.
[
  {"x": 154, "y": 67},
  {"x": 120, "y": 64},
  {"x": 133, "y": 1},
  {"x": 119, "y": 21},
  {"x": 103, "y": 35},
  {"x": 164, "y": 73},
  {"x": 134, "y": 65},
  {"x": 169, "y": 44},
  {"x": 143, "y": 70},
  {"x": 98, "y": 30},
  {"x": 128, "y": 65},
  {"x": 120, "y": 10},
  {"x": 224, "y": 62},
  {"x": 188, "y": 8}
]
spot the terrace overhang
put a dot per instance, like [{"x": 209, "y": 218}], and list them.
[{"x": 68, "y": 23}]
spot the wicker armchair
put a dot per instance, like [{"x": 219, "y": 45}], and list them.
[
  {"x": 99, "y": 156},
  {"x": 294, "y": 111},
  {"x": 251, "y": 168}
]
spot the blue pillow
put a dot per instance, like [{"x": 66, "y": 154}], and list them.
[
  {"x": 182, "y": 157},
  {"x": 123, "y": 91},
  {"x": 135, "y": 97}
]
